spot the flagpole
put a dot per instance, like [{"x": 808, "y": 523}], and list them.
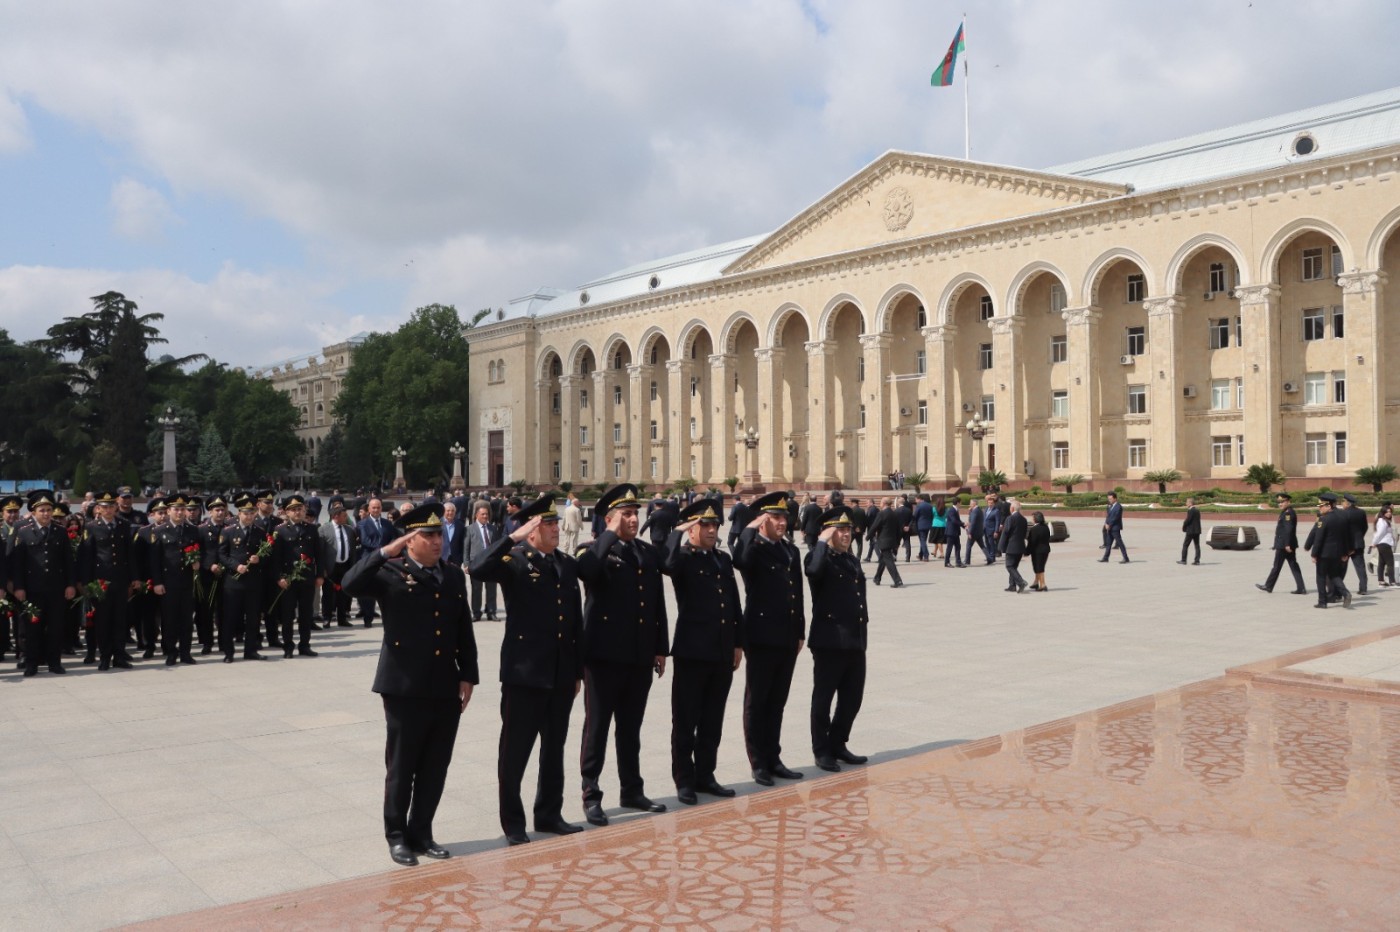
[{"x": 967, "y": 119}]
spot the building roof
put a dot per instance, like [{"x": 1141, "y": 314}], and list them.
[{"x": 300, "y": 359}]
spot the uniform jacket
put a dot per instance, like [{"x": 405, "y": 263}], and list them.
[
  {"x": 167, "y": 554},
  {"x": 1114, "y": 516},
  {"x": 886, "y": 529},
  {"x": 143, "y": 550},
  {"x": 105, "y": 553},
  {"x": 811, "y": 517},
  {"x": 236, "y": 545},
  {"x": 543, "y": 639},
  {"x": 1013, "y": 535},
  {"x": 429, "y": 648},
  {"x": 328, "y": 544},
  {"x": 1286, "y": 531},
  {"x": 1332, "y": 536},
  {"x": 293, "y": 543},
  {"x": 709, "y": 616},
  {"x": 1192, "y": 524},
  {"x": 773, "y": 610},
  {"x": 839, "y": 614},
  {"x": 663, "y": 518},
  {"x": 952, "y": 521},
  {"x": 624, "y": 616},
  {"x": 1356, "y": 520},
  {"x": 41, "y": 560}
]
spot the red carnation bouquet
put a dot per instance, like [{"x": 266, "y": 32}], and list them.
[
  {"x": 300, "y": 567},
  {"x": 94, "y": 591}
]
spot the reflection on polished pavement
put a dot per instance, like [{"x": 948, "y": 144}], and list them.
[{"x": 1263, "y": 799}]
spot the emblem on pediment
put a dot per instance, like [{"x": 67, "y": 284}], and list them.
[{"x": 899, "y": 209}]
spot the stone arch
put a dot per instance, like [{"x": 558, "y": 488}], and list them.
[
  {"x": 611, "y": 346},
  {"x": 544, "y": 362},
  {"x": 648, "y": 341},
  {"x": 1176, "y": 268},
  {"x": 828, "y": 314},
  {"x": 954, "y": 289},
  {"x": 1103, "y": 263},
  {"x": 779, "y": 321},
  {"x": 1029, "y": 274},
  {"x": 1375, "y": 247},
  {"x": 576, "y": 355},
  {"x": 730, "y": 328},
  {"x": 890, "y": 299},
  {"x": 1268, "y": 258},
  {"x": 688, "y": 334}
]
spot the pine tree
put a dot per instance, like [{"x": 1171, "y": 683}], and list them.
[{"x": 213, "y": 467}]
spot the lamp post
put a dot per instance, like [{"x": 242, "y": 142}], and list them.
[
  {"x": 400, "y": 483},
  {"x": 751, "y": 476},
  {"x": 169, "y": 474},
  {"x": 977, "y": 428},
  {"x": 458, "y": 481}
]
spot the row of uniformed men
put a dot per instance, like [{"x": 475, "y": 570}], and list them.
[
  {"x": 157, "y": 570},
  {"x": 610, "y": 647}
]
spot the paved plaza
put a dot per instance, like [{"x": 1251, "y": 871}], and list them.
[{"x": 166, "y": 790}]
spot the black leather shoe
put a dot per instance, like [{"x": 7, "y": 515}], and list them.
[
  {"x": 828, "y": 764},
  {"x": 845, "y": 756},
  {"x": 368, "y": 623},
  {"x": 1124, "y": 560},
  {"x": 787, "y": 773},
  {"x": 171, "y": 660},
  {"x": 121, "y": 663},
  {"x": 431, "y": 849},
  {"x": 714, "y": 788},
  {"x": 1104, "y": 560},
  {"x": 1262, "y": 588},
  {"x": 148, "y": 654},
  {"x": 403, "y": 855},
  {"x": 641, "y": 804},
  {"x": 1180, "y": 562},
  {"x": 762, "y": 777},
  {"x": 343, "y": 624},
  {"x": 31, "y": 671},
  {"x": 557, "y": 826},
  {"x": 595, "y": 815},
  {"x": 187, "y": 659},
  {"x": 515, "y": 838},
  {"x": 1346, "y": 600},
  {"x": 207, "y": 650},
  {"x": 228, "y": 658},
  {"x": 105, "y": 665},
  {"x": 286, "y": 653},
  {"x": 307, "y": 652},
  {"x": 89, "y": 660},
  {"x": 1300, "y": 592},
  {"x": 56, "y": 668},
  {"x": 686, "y": 794},
  {"x": 253, "y": 656},
  {"x": 898, "y": 585}
]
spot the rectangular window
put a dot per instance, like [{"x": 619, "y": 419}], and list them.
[
  {"x": 583, "y": 435},
  {"x": 694, "y": 429},
  {"x": 1059, "y": 404},
  {"x": 985, "y": 307},
  {"x": 920, "y": 362},
  {"x": 556, "y": 402},
  {"x": 1136, "y": 343},
  {"x": 617, "y": 467},
  {"x": 556, "y": 469},
  {"x": 583, "y": 398},
  {"x": 1336, "y": 261},
  {"x": 1219, "y": 394},
  {"x": 653, "y": 388},
  {"x": 694, "y": 463},
  {"x": 1137, "y": 454},
  {"x": 1312, "y": 264},
  {"x": 1338, "y": 323},
  {"x": 862, "y": 417},
  {"x": 921, "y": 318},
  {"x": 1314, "y": 327},
  {"x": 1239, "y": 395},
  {"x": 1339, "y": 388},
  {"x": 1137, "y": 288},
  {"x": 1239, "y": 449},
  {"x": 617, "y": 394},
  {"x": 655, "y": 431},
  {"x": 1219, "y": 332},
  {"x": 654, "y": 467},
  {"x": 1059, "y": 348},
  {"x": 989, "y": 408},
  {"x": 923, "y": 412},
  {"x": 1339, "y": 447},
  {"x": 1059, "y": 454},
  {"x": 860, "y": 368},
  {"x": 984, "y": 356},
  {"x": 1315, "y": 449},
  {"x": 694, "y": 386},
  {"x": 1221, "y": 450},
  {"x": 1217, "y": 278},
  {"x": 1057, "y": 297},
  {"x": 617, "y": 433},
  {"x": 1137, "y": 399},
  {"x": 1315, "y": 388},
  {"x": 583, "y": 469},
  {"x": 1239, "y": 331}
]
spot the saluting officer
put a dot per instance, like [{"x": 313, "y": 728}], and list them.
[
  {"x": 625, "y": 640},
  {"x": 707, "y": 648},
  {"x": 209, "y": 606},
  {"x": 294, "y": 551},
  {"x": 43, "y": 574},
  {"x": 775, "y": 626},
  {"x": 1285, "y": 546},
  {"x": 838, "y": 639},
  {"x": 173, "y": 573},
  {"x": 243, "y": 585},
  {"x": 427, "y": 670},
  {"x": 541, "y": 666},
  {"x": 105, "y": 555}
]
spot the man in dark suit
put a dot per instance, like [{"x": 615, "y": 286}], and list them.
[
  {"x": 42, "y": 573},
  {"x": 339, "y": 548},
  {"x": 739, "y": 518},
  {"x": 477, "y": 539},
  {"x": 888, "y": 532},
  {"x": 625, "y": 635},
  {"x": 1113, "y": 529},
  {"x": 872, "y": 511},
  {"x": 992, "y": 520},
  {"x": 952, "y": 534},
  {"x": 775, "y": 627},
  {"x": 706, "y": 651},
  {"x": 427, "y": 670},
  {"x": 1191, "y": 528},
  {"x": 904, "y": 514},
  {"x": 541, "y": 667},
  {"x": 1013, "y": 546},
  {"x": 811, "y": 518},
  {"x": 840, "y": 619},
  {"x": 453, "y": 535},
  {"x": 1330, "y": 544},
  {"x": 1285, "y": 546},
  {"x": 664, "y": 517},
  {"x": 374, "y": 533},
  {"x": 973, "y": 523},
  {"x": 1356, "y": 520}
]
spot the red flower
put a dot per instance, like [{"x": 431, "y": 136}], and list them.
[{"x": 72, "y": 533}]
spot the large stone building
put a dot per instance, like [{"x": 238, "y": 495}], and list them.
[
  {"x": 312, "y": 383},
  {"x": 1204, "y": 305}
]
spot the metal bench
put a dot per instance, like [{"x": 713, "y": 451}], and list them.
[{"x": 1233, "y": 537}]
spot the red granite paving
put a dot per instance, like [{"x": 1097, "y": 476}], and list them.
[{"x": 1244, "y": 802}]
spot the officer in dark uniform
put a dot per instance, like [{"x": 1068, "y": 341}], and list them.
[
  {"x": 209, "y": 606},
  {"x": 126, "y": 509},
  {"x": 838, "y": 638},
  {"x": 174, "y": 563},
  {"x": 625, "y": 640},
  {"x": 146, "y": 605},
  {"x": 1285, "y": 546},
  {"x": 1356, "y": 553},
  {"x": 11, "y": 632},
  {"x": 541, "y": 666},
  {"x": 294, "y": 552},
  {"x": 662, "y": 521},
  {"x": 267, "y": 523},
  {"x": 427, "y": 669},
  {"x": 43, "y": 574},
  {"x": 105, "y": 556},
  {"x": 775, "y": 627},
  {"x": 242, "y": 581},
  {"x": 707, "y": 648},
  {"x": 1331, "y": 542}
]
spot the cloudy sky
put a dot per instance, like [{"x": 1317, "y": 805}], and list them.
[{"x": 274, "y": 176}]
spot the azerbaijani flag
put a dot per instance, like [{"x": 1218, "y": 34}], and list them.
[{"x": 943, "y": 74}]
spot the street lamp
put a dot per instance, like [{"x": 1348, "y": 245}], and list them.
[
  {"x": 977, "y": 428},
  {"x": 458, "y": 482},
  {"x": 399, "y": 481},
  {"x": 751, "y": 475},
  {"x": 169, "y": 474}
]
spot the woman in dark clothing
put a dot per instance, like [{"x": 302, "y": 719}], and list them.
[{"x": 1038, "y": 546}]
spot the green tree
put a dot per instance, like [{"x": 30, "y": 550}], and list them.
[
  {"x": 329, "y": 474},
  {"x": 1162, "y": 477},
  {"x": 105, "y": 469},
  {"x": 186, "y": 443},
  {"x": 916, "y": 480},
  {"x": 213, "y": 467},
  {"x": 260, "y": 423},
  {"x": 1068, "y": 482},
  {"x": 1264, "y": 475},
  {"x": 990, "y": 479},
  {"x": 44, "y": 420},
  {"x": 1376, "y": 476}
]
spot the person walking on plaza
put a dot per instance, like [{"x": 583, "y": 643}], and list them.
[
  {"x": 1038, "y": 546},
  {"x": 872, "y": 513},
  {"x": 888, "y": 532},
  {"x": 243, "y": 585},
  {"x": 1330, "y": 543},
  {"x": 480, "y": 535},
  {"x": 1191, "y": 527},
  {"x": 541, "y": 664},
  {"x": 1113, "y": 529},
  {"x": 705, "y": 650},
  {"x": 991, "y": 528},
  {"x": 840, "y": 620},
  {"x": 42, "y": 573},
  {"x": 973, "y": 523},
  {"x": 294, "y": 553},
  {"x": 775, "y": 627},
  {"x": 904, "y": 514},
  {"x": 1285, "y": 546},
  {"x": 1013, "y": 546},
  {"x": 104, "y": 557},
  {"x": 952, "y": 533},
  {"x": 427, "y": 671},
  {"x": 1355, "y": 517},
  {"x": 1383, "y": 540},
  {"x": 626, "y": 638},
  {"x": 570, "y": 524},
  {"x": 923, "y": 526}
]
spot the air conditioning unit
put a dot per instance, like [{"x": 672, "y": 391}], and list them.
[
  {"x": 1126, "y": 360},
  {"x": 1208, "y": 296},
  {"x": 1290, "y": 387},
  {"x": 967, "y": 406},
  {"x": 905, "y": 412},
  {"x": 1189, "y": 391}
]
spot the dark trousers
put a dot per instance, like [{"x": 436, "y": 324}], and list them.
[
  {"x": 297, "y": 600},
  {"x": 242, "y": 605},
  {"x": 528, "y": 713},
  {"x": 1358, "y": 562},
  {"x": 1114, "y": 538},
  {"x": 872, "y": 547},
  {"x": 887, "y": 562},
  {"x": 839, "y": 673},
  {"x": 1281, "y": 557},
  {"x": 335, "y": 601},
  {"x": 367, "y": 609},
  {"x": 989, "y": 545},
  {"x": 1191, "y": 539},
  {"x": 177, "y": 619},
  {"x": 43, "y": 639},
  {"x": 908, "y": 540},
  {"x": 109, "y": 624},
  {"x": 207, "y": 607},
  {"x": 952, "y": 551},
  {"x": 150, "y": 616},
  {"x": 699, "y": 690},
  {"x": 416, "y": 757},
  {"x": 1385, "y": 563},
  {"x": 1329, "y": 579},
  {"x": 613, "y": 690},
  {"x": 766, "y": 684},
  {"x": 857, "y": 542},
  {"x": 271, "y": 608},
  {"x": 1013, "y": 571},
  {"x": 490, "y": 604},
  {"x": 923, "y": 542}
]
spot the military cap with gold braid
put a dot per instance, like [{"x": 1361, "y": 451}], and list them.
[
  {"x": 156, "y": 503},
  {"x": 266, "y": 495},
  {"x": 41, "y": 497},
  {"x": 702, "y": 510},
  {"x": 10, "y": 503},
  {"x": 178, "y": 500},
  {"x": 61, "y": 510},
  {"x": 215, "y": 501},
  {"x": 542, "y": 506},
  {"x": 427, "y": 518},
  {"x": 773, "y": 503},
  {"x": 104, "y": 497},
  {"x": 296, "y": 499},
  {"x": 619, "y": 496},
  {"x": 840, "y": 516},
  {"x": 245, "y": 502}
]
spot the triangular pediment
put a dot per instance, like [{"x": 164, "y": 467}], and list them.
[{"x": 903, "y": 195}]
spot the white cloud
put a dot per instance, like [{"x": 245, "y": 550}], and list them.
[
  {"x": 14, "y": 127},
  {"x": 140, "y": 212}
]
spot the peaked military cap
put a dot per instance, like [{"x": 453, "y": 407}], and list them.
[
  {"x": 294, "y": 500},
  {"x": 427, "y": 518},
  {"x": 840, "y": 516},
  {"x": 1351, "y": 499},
  {"x": 10, "y": 503},
  {"x": 266, "y": 495},
  {"x": 178, "y": 500},
  {"x": 215, "y": 501},
  {"x": 105, "y": 497},
  {"x": 702, "y": 509},
  {"x": 124, "y": 492},
  {"x": 42, "y": 497},
  {"x": 245, "y": 502},
  {"x": 773, "y": 502},
  {"x": 542, "y": 506},
  {"x": 157, "y": 503},
  {"x": 194, "y": 501},
  {"x": 61, "y": 510},
  {"x": 1328, "y": 497},
  {"x": 619, "y": 496}
]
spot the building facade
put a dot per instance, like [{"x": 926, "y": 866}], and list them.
[
  {"x": 312, "y": 383},
  {"x": 1203, "y": 305}
]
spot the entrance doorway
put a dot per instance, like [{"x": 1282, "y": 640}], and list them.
[{"x": 496, "y": 458}]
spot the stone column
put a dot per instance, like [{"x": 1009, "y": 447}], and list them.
[
  {"x": 942, "y": 419},
  {"x": 1365, "y": 336},
  {"x": 568, "y": 428},
  {"x": 821, "y": 443},
  {"x": 723, "y": 462},
  {"x": 678, "y": 372},
  {"x": 876, "y": 448},
  {"x": 1082, "y": 332},
  {"x": 1165, "y": 404},
  {"x": 639, "y": 423},
  {"x": 544, "y": 405},
  {"x": 772, "y": 448},
  {"x": 603, "y": 417},
  {"x": 1007, "y": 360},
  {"x": 1263, "y": 386}
]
